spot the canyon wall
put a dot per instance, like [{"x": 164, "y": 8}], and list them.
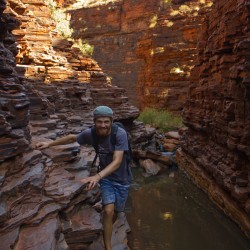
[
  {"x": 147, "y": 47},
  {"x": 216, "y": 146},
  {"x": 53, "y": 89},
  {"x": 50, "y": 92},
  {"x": 14, "y": 103}
]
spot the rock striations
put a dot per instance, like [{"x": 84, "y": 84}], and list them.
[
  {"x": 216, "y": 147},
  {"x": 49, "y": 93},
  {"x": 53, "y": 88},
  {"x": 147, "y": 47}
]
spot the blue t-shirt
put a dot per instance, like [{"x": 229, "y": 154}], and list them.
[{"x": 106, "y": 149}]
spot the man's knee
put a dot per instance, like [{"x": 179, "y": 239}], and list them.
[{"x": 109, "y": 210}]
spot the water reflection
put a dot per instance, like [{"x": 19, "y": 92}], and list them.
[{"x": 171, "y": 213}]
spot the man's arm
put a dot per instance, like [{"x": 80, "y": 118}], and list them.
[
  {"x": 115, "y": 164},
  {"x": 61, "y": 141}
]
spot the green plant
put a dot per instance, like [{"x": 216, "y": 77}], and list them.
[
  {"x": 60, "y": 18},
  {"x": 160, "y": 119},
  {"x": 62, "y": 21},
  {"x": 85, "y": 47}
]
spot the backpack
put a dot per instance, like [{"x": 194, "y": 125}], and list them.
[{"x": 114, "y": 128}]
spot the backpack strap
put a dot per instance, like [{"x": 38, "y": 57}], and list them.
[
  {"x": 114, "y": 130},
  {"x": 95, "y": 141},
  {"x": 128, "y": 153}
]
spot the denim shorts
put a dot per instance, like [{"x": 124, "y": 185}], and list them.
[{"x": 114, "y": 193}]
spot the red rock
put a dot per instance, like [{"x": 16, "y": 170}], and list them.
[
  {"x": 51, "y": 208},
  {"x": 79, "y": 233},
  {"x": 150, "y": 167},
  {"x": 172, "y": 141},
  {"x": 62, "y": 186},
  {"x": 158, "y": 157},
  {"x": 150, "y": 38},
  {"x": 119, "y": 235},
  {"x": 63, "y": 152},
  {"x": 217, "y": 108},
  {"x": 54, "y": 95},
  {"x": 43, "y": 236},
  {"x": 173, "y": 134},
  {"x": 9, "y": 239},
  {"x": 170, "y": 147}
]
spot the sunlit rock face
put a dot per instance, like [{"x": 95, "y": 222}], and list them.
[
  {"x": 58, "y": 74},
  {"x": 147, "y": 47},
  {"x": 215, "y": 149}
]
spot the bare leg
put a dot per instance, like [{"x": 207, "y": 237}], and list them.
[{"x": 107, "y": 225}]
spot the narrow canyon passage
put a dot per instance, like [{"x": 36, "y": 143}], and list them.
[{"x": 60, "y": 59}]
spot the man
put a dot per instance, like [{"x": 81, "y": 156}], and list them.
[{"x": 114, "y": 176}]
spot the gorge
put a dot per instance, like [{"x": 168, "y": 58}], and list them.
[{"x": 189, "y": 57}]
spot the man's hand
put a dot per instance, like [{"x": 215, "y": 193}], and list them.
[
  {"x": 42, "y": 145},
  {"x": 92, "y": 180},
  {"x": 61, "y": 141}
]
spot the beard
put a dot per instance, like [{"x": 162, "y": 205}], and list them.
[{"x": 103, "y": 131}]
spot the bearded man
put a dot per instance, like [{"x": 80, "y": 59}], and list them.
[{"x": 113, "y": 175}]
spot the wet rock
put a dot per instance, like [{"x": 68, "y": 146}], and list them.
[
  {"x": 158, "y": 157},
  {"x": 150, "y": 166}
]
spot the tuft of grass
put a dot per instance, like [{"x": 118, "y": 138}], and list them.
[
  {"x": 160, "y": 119},
  {"x": 85, "y": 47}
]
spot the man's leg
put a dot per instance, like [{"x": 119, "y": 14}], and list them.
[{"x": 107, "y": 225}]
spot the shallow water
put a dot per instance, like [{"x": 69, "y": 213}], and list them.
[{"x": 172, "y": 213}]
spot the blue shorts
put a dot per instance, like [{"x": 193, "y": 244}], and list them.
[{"x": 114, "y": 193}]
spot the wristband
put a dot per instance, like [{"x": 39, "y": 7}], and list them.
[{"x": 99, "y": 176}]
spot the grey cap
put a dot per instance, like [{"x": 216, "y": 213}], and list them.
[{"x": 103, "y": 111}]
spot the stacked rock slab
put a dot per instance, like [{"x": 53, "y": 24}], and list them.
[
  {"x": 14, "y": 102},
  {"x": 147, "y": 47},
  {"x": 216, "y": 147},
  {"x": 43, "y": 203}
]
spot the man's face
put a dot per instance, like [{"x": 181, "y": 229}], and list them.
[{"x": 103, "y": 125}]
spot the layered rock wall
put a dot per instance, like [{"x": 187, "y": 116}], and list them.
[
  {"x": 58, "y": 72},
  {"x": 14, "y": 103},
  {"x": 216, "y": 147},
  {"x": 147, "y": 47}
]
